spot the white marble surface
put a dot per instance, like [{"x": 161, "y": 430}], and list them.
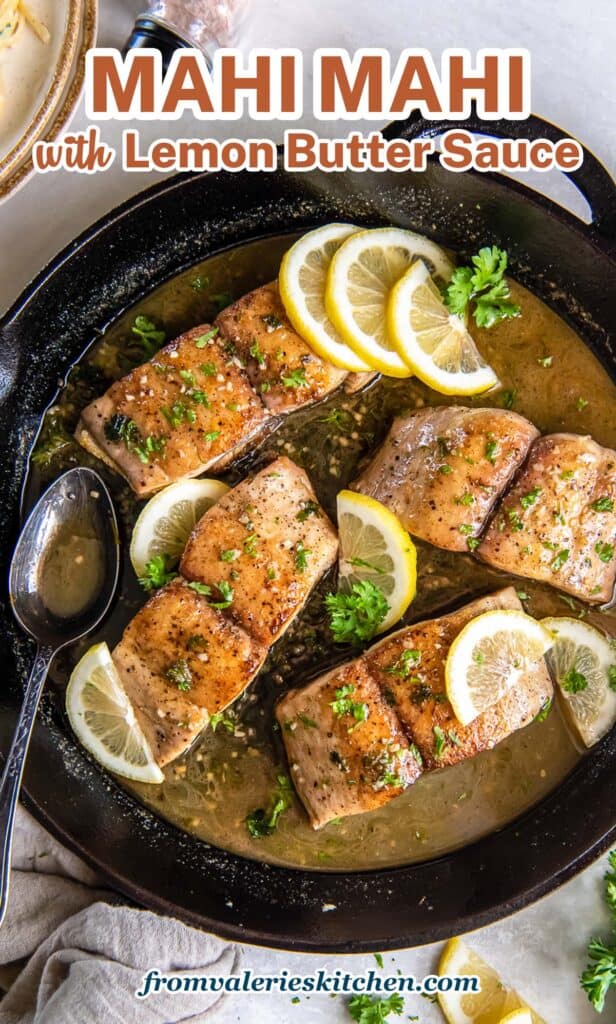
[{"x": 541, "y": 950}]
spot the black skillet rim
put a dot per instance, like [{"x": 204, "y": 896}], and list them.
[{"x": 391, "y": 896}]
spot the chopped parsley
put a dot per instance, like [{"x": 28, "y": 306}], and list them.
[
  {"x": 224, "y": 589},
  {"x": 465, "y": 499},
  {"x": 605, "y": 551},
  {"x": 440, "y": 741},
  {"x": 445, "y": 469},
  {"x": 530, "y": 498},
  {"x": 343, "y": 704},
  {"x": 546, "y": 361},
  {"x": 491, "y": 449},
  {"x": 122, "y": 429},
  {"x": 403, "y": 665},
  {"x": 178, "y": 413},
  {"x": 301, "y": 556},
  {"x": 271, "y": 321},
  {"x": 262, "y": 823},
  {"x": 367, "y": 1009},
  {"x": 340, "y": 418},
  {"x": 179, "y": 674},
  {"x": 603, "y": 504},
  {"x": 229, "y": 554},
  {"x": 600, "y": 974},
  {"x": 509, "y": 398},
  {"x": 205, "y": 339},
  {"x": 356, "y": 616},
  {"x": 213, "y": 435},
  {"x": 559, "y": 560},
  {"x": 611, "y": 677},
  {"x": 484, "y": 284},
  {"x": 256, "y": 353},
  {"x": 581, "y": 404},
  {"x": 544, "y": 711},
  {"x": 567, "y": 474},
  {"x": 156, "y": 574},
  {"x": 515, "y": 522},
  {"x": 150, "y": 337},
  {"x": 196, "y": 642},
  {"x": 574, "y": 681},
  {"x": 251, "y": 545},
  {"x": 309, "y": 508},
  {"x": 208, "y": 369},
  {"x": 295, "y": 378},
  {"x": 219, "y": 718}
]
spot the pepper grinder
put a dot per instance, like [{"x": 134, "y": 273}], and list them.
[{"x": 205, "y": 24}]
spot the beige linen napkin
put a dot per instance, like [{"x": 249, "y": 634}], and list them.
[{"x": 87, "y": 953}]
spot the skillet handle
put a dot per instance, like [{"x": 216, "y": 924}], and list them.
[{"x": 592, "y": 179}]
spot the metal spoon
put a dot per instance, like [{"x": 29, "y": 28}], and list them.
[{"x": 63, "y": 575}]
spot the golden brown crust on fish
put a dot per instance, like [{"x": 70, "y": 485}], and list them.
[
  {"x": 557, "y": 524},
  {"x": 442, "y": 470},
  {"x": 415, "y": 683},
  {"x": 281, "y": 366},
  {"x": 341, "y": 764},
  {"x": 190, "y": 408},
  {"x": 270, "y": 541}
]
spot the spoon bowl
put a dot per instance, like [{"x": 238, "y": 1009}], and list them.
[
  {"x": 65, "y": 566},
  {"x": 64, "y": 573}
]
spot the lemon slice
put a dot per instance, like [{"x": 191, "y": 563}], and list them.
[
  {"x": 164, "y": 525},
  {"x": 488, "y": 1006},
  {"x": 301, "y": 282},
  {"x": 361, "y": 275},
  {"x": 517, "y": 1017},
  {"x": 103, "y": 720},
  {"x": 584, "y": 666},
  {"x": 375, "y": 546},
  {"x": 488, "y": 657},
  {"x": 434, "y": 343}
]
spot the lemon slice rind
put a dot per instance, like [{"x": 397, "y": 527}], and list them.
[
  {"x": 433, "y": 343},
  {"x": 361, "y": 275},
  {"x": 103, "y": 719},
  {"x": 375, "y": 546},
  {"x": 301, "y": 282},
  {"x": 577, "y": 645},
  {"x": 487, "y": 658},
  {"x": 164, "y": 525},
  {"x": 488, "y": 1006}
]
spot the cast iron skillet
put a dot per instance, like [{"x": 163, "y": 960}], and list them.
[{"x": 136, "y": 247}]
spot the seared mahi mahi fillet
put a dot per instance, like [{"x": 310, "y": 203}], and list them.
[
  {"x": 415, "y": 685},
  {"x": 340, "y": 765},
  {"x": 442, "y": 470},
  {"x": 281, "y": 366},
  {"x": 182, "y": 659},
  {"x": 408, "y": 718},
  {"x": 270, "y": 541},
  {"x": 189, "y": 409},
  {"x": 558, "y": 522}
]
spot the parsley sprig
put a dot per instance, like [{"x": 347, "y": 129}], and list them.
[
  {"x": 372, "y": 1010},
  {"x": 156, "y": 574},
  {"x": 600, "y": 974},
  {"x": 355, "y": 617},
  {"x": 262, "y": 823},
  {"x": 484, "y": 284}
]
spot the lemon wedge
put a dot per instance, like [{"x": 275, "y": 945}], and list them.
[
  {"x": 584, "y": 666},
  {"x": 361, "y": 275},
  {"x": 487, "y": 658},
  {"x": 431, "y": 341},
  {"x": 375, "y": 546},
  {"x": 491, "y": 1004},
  {"x": 301, "y": 282},
  {"x": 517, "y": 1017},
  {"x": 103, "y": 719},
  {"x": 164, "y": 525}
]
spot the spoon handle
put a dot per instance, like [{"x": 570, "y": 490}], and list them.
[{"x": 14, "y": 767}]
